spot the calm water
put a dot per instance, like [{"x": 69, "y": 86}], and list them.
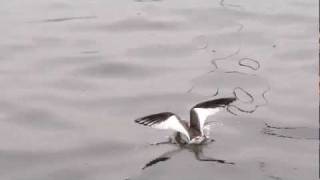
[{"x": 75, "y": 74}]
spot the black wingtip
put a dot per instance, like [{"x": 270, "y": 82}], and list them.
[
  {"x": 221, "y": 102},
  {"x": 137, "y": 120},
  {"x": 141, "y": 121},
  {"x": 153, "y": 119}
]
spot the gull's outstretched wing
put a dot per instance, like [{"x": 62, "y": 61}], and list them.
[
  {"x": 164, "y": 120},
  {"x": 200, "y": 112}
]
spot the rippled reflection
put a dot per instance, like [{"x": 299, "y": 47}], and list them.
[
  {"x": 291, "y": 132},
  {"x": 196, "y": 149}
]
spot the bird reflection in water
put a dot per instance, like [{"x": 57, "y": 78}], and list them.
[{"x": 197, "y": 149}]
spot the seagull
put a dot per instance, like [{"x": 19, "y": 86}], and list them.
[{"x": 194, "y": 132}]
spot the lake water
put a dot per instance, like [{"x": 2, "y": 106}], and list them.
[{"x": 75, "y": 74}]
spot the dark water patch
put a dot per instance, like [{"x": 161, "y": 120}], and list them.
[
  {"x": 142, "y": 24},
  {"x": 304, "y": 4},
  {"x": 47, "y": 42},
  {"x": 304, "y": 36},
  {"x": 274, "y": 177},
  {"x": 90, "y": 52},
  {"x": 34, "y": 118},
  {"x": 231, "y": 79},
  {"x": 262, "y": 166},
  {"x": 250, "y": 38},
  {"x": 72, "y": 84},
  {"x": 298, "y": 54},
  {"x": 165, "y": 101},
  {"x": 162, "y": 51},
  {"x": 39, "y": 119},
  {"x": 66, "y": 60},
  {"x": 91, "y": 150},
  {"x": 74, "y": 173},
  {"x": 294, "y": 111},
  {"x": 14, "y": 49},
  {"x": 52, "y": 63},
  {"x": 284, "y": 18},
  {"x": 230, "y": 15},
  {"x": 148, "y": 0},
  {"x": 135, "y": 105},
  {"x": 119, "y": 70},
  {"x": 309, "y": 68},
  {"x": 204, "y": 17},
  {"x": 303, "y": 68},
  {"x": 59, "y": 5},
  {"x": 14, "y": 160},
  {"x": 63, "y": 19}
]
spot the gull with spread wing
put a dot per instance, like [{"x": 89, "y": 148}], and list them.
[{"x": 194, "y": 132}]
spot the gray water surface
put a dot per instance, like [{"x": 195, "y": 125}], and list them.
[{"x": 75, "y": 74}]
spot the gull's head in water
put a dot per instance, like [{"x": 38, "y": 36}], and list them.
[{"x": 194, "y": 132}]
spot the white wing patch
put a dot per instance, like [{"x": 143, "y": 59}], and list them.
[
  {"x": 172, "y": 123},
  {"x": 206, "y": 130},
  {"x": 203, "y": 113}
]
